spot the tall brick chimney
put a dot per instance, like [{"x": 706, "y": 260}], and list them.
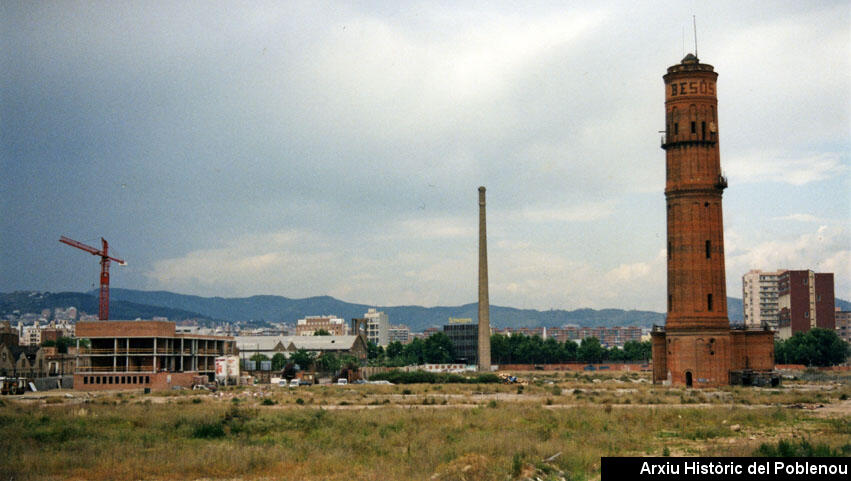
[
  {"x": 697, "y": 347},
  {"x": 484, "y": 354},
  {"x": 697, "y": 296}
]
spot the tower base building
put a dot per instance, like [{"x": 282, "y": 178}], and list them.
[{"x": 714, "y": 358}]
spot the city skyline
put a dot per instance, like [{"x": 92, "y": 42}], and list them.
[{"x": 336, "y": 150}]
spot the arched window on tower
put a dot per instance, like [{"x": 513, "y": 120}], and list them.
[
  {"x": 675, "y": 114},
  {"x": 692, "y": 116},
  {"x": 668, "y": 122}
]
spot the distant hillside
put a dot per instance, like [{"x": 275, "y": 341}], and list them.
[
  {"x": 132, "y": 304},
  {"x": 254, "y": 308},
  {"x": 419, "y": 318},
  {"x": 27, "y": 301},
  {"x": 283, "y": 309}
]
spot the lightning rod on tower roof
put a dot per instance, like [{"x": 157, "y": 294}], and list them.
[{"x": 694, "y": 22}]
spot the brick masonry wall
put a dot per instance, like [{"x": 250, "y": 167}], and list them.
[
  {"x": 660, "y": 358},
  {"x": 706, "y": 355},
  {"x": 88, "y": 329},
  {"x": 799, "y": 300},
  {"x": 825, "y": 301},
  {"x": 124, "y": 381},
  {"x": 753, "y": 350}
]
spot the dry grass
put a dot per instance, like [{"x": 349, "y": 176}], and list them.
[{"x": 399, "y": 432}]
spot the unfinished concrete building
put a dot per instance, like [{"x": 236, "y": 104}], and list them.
[{"x": 139, "y": 354}]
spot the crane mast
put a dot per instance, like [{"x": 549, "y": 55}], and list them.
[{"x": 105, "y": 259}]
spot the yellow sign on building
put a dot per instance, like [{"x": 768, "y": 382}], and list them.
[{"x": 460, "y": 320}]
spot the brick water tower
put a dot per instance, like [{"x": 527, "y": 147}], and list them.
[{"x": 696, "y": 346}]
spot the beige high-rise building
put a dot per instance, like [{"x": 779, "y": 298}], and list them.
[
  {"x": 843, "y": 324},
  {"x": 760, "y": 298},
  {"x": 377, "y": 327}
]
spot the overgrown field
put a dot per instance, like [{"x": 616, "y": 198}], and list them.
[{"x": 375, "y": 432}]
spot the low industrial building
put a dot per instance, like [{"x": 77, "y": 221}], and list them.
[
  {"x": 17, "y": 359},
  {"x": 271, "y": 345},
  {"x": 21, "y": 361},
  {"x": 144, "y": 354}
]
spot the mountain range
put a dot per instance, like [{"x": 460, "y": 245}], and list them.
[
  {"x": 418, "y": 318},
  {"x": 132, "y": 304},
  {"x": 32, "y": 301}
]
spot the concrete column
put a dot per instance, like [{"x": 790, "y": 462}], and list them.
[{"x": 484, "y": 354}]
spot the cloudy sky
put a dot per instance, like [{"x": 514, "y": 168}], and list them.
[{"x": 310, "y": 148}]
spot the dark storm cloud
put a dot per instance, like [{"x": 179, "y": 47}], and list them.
[{"x": 305, "y": 149}]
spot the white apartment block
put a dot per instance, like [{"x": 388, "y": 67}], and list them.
[
  {"x": 30, "y": 335},
  {"x": 65, "y": 328},
  {"x": 377, "y": 327},
  {"x": 760, "y": 298}
]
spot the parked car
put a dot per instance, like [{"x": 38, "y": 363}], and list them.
[
  {"x": 342, "y": 381},
  {"x": 294, "y": 383}
]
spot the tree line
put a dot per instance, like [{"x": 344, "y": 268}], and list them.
[
  {"x": 816, "y": 347},
  {"x": 521, "y": 349},
  {"x": 515, "y": 349},
  {"x": 306, "y": 360},
  {"x": 435, "y": 349}
]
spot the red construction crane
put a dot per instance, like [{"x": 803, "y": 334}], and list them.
[{"x": 103, "y": 308}]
